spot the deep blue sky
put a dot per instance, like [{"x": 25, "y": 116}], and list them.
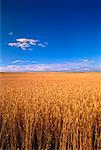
[{"x": 71, "y": 29}]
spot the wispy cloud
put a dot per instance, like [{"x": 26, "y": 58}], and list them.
[
  {"x": 17, "y": 61},
  {"x": 68, "y": 66},
  {"x": 84, "y": 60},
  {"x": 10, "y": 33},
  {"x": 23, "y": 61},
  {"x": 41, "y": 45},
  {"x": 26, "y": 44}
]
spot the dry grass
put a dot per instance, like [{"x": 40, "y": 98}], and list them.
[{"x": 50, "y": 111}]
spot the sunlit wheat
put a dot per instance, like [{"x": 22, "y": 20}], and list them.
[{"x": 50, "y": 111}]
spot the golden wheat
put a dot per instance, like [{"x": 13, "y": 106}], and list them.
[{"x": 50, "y": 111}]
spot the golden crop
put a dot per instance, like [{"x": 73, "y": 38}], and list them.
[{"x": 50, "y": 111}]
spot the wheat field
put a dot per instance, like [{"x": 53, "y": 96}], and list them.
[{"x": 50, "y": 111}]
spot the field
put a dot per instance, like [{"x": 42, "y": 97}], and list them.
[{"x": 50, "y": 111}]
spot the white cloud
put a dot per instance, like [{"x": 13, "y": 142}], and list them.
[
  {"x": 24, "y": 40},
  {"x": 23, "y": 46},
  {"x": 13, "y": 44},
  {"x": 68, "y": 66},
  {"x": 26, "y": 44}
]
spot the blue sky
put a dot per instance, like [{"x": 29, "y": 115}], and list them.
[{"x": 50, "y": 35}]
